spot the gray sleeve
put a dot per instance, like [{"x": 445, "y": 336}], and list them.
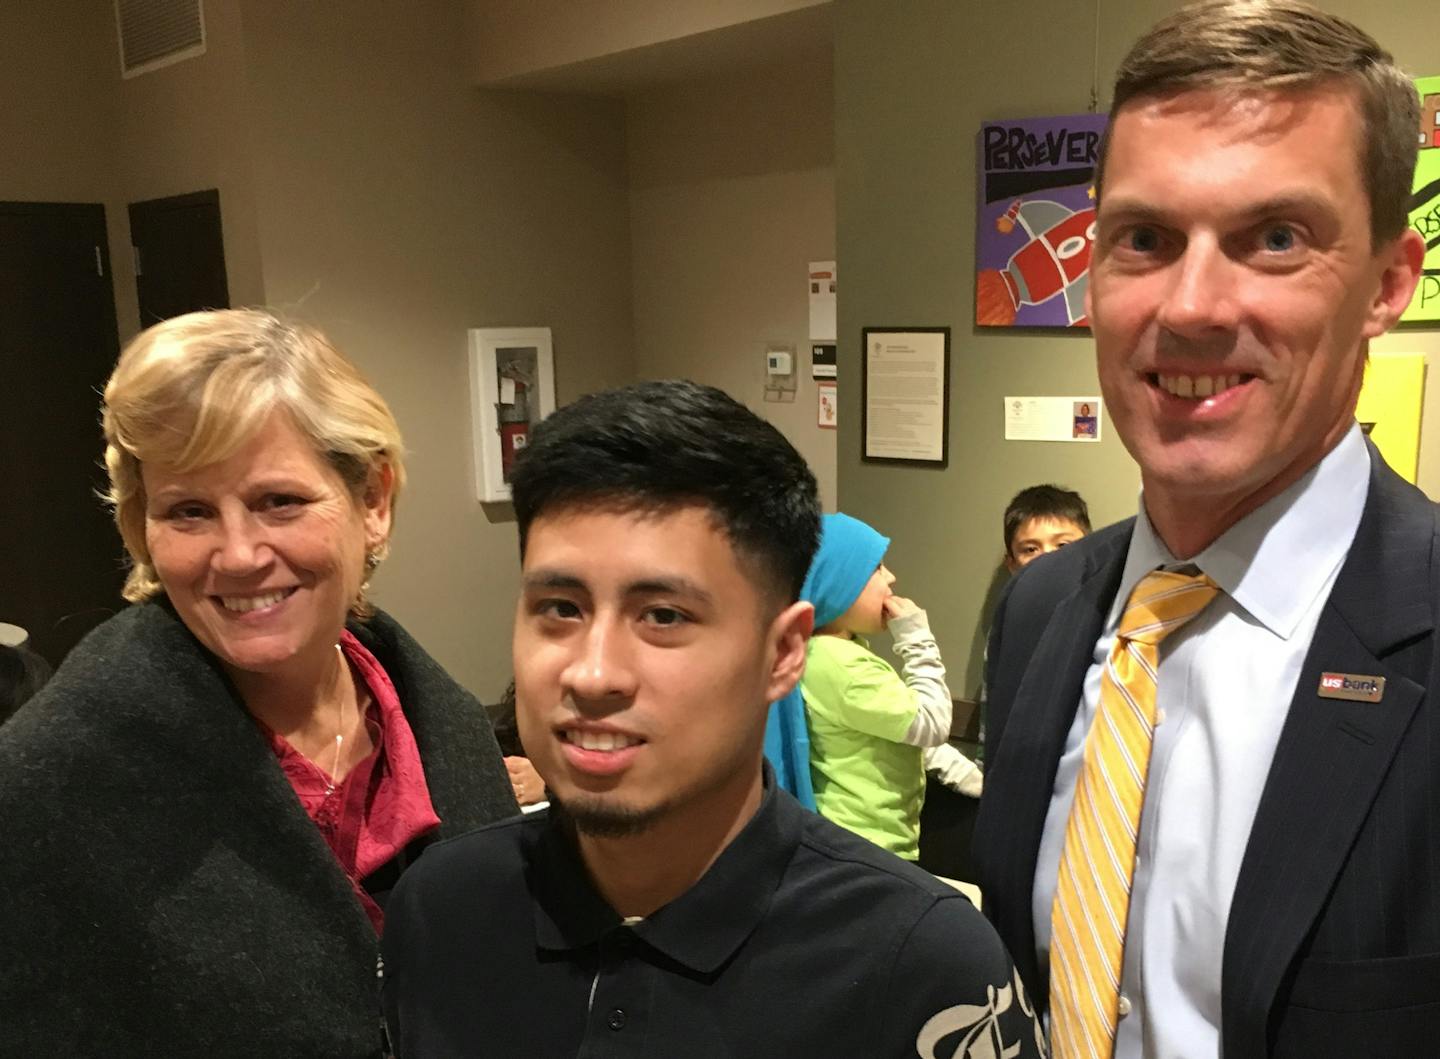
[
  {"x": 954, "y": 769},
  {"x": 924, "y": 674}
]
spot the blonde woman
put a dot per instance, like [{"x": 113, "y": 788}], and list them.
[{"x": 206, "y": 808}]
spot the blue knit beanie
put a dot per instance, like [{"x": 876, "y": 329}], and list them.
[{"x": 849, "y": 553}]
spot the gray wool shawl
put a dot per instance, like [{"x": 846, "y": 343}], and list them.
[{"x": 162, "y": 891}]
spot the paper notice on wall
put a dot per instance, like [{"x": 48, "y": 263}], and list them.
[
  {"x": 822, "y": 301},
  {"x": 905, "y": 395},
  {"x": 1053, "y": 418}
]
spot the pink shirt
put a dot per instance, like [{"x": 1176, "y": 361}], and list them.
[{"x": 383, "y": 804}]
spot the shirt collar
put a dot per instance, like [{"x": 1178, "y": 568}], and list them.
[
  {"x": 703, "y": 927},
  {"x": 1276, "y": 560}
]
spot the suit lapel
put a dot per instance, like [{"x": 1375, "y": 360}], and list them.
[
  {"x": 1021, "y": 778},
  {"x": 1332, "y": 755}
]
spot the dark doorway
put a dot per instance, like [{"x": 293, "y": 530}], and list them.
[
  {"x": 60, "y": 556},
  {"x": 179, "y": 255}
]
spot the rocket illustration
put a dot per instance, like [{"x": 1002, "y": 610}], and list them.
[{"x": 1055, "y": 262}]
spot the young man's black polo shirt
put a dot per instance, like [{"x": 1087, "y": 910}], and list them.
[{"x": 802, "y": 940}]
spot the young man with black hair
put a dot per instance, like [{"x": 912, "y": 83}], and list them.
[{"x": 673, "y": 901}]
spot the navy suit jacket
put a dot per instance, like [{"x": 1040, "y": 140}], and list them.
[{"x": 1333, "y": 941}]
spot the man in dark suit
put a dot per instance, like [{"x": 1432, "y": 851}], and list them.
[{"x": 1272, "y": 890}]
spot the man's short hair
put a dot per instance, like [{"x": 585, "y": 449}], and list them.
[
  {"x": 1280, "y": 45},
  {"x": 658, "y": 445},
  {"x": 1044, "y": 501}
]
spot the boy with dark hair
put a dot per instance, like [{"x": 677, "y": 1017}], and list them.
[
  {"x": 672, "y": 901},
  {"x": 1038, "y": 520},
  {"x": 1041, "y": 519}
]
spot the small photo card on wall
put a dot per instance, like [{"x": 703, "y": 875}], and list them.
[
  {"x": 1053, "y": 418},
  {"x": 826, "y": 410}
]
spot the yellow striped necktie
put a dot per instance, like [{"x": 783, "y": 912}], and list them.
[{"x": 1097, "y": 864}]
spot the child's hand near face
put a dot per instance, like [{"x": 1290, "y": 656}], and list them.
[{"x": 898, "y": 607}]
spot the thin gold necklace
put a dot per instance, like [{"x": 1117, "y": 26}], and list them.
[{"x": 330, "y": 781}]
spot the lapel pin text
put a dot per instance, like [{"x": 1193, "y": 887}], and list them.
[{"x": 1353, "y": 686}]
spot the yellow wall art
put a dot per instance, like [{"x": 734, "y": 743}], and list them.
[{"x": 1389, "y": 408}]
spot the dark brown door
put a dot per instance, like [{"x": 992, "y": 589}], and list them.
[
  {"x": 179, "y": 255},
  {"x": 60, "y": 555}
]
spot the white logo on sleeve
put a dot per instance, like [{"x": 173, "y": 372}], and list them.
[{"x": 973, "y": 1031}]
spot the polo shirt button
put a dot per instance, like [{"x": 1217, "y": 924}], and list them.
[
  {"x": 1124, "y": 1006},
  {"x": 616, "y": 1019}
]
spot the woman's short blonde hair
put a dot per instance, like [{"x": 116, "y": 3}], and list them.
[{"x": 190, "y": 391}]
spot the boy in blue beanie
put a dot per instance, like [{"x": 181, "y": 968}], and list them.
[{"x": 869, "y": 726}]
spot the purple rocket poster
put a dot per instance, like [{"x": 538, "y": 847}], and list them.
[{"x": 1036, "y": 220}]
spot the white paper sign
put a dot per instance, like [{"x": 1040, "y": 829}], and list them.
[
  {"x": 905, "y": 395},
  {"x": 822, "y": 301},
  {"x": 1053, "y": 418}
]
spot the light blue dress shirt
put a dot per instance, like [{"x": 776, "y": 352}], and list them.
[{"x": 1226, "y": 682}]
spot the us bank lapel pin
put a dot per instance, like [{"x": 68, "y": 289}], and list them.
[{"x": 1353, "y": 686}]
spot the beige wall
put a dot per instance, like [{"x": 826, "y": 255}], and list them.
[
  {"x": 732, "y": 193},
  {"x": 186, "y": 127},
  {"x": 77, "y": 132},
  {"x": 57, "y": 63},
  {"x": 58, "y": 67},
  {"x": 512, "y": 38},
  {"x": 397, "y": 207},
  {"x": 913, "y": 83}
]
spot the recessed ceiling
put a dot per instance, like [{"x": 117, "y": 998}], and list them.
[{"x": 801, "y": 37}]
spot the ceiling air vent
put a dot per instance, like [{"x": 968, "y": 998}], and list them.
[{"x": 156, "y": 33}]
